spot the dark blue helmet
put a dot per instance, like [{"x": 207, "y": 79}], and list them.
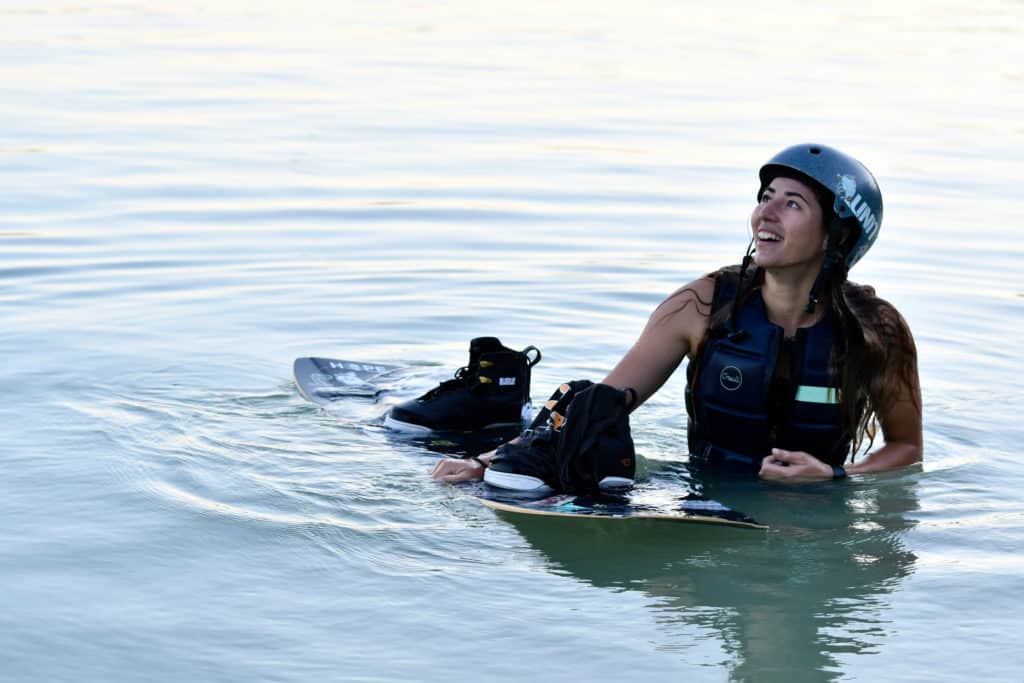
[{"x": 846, "y": 181}]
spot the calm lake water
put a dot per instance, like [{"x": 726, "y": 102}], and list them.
[{"x": 195, "y": 193}]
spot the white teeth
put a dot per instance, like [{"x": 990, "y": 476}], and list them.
[{"x": 768, "y": 236}]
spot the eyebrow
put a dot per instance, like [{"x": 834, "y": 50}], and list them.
[{"x": 788, "y": 193}]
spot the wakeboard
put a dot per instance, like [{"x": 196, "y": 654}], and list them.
[
  {"x": 653, "y": 502},
  {"x": 325, "y": 380}
]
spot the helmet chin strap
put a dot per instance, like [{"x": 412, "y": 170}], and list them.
[{"x": 833, "y": 256}]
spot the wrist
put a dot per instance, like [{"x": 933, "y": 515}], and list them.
[
  {"x": 482, "y": 465},
  {"x": 838, "y": 472}
]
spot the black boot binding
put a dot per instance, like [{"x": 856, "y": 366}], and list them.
[
  {"x": 579, "y": 443},
  {"x": 530, "y": 463},
  {"x": 491, "y": 392}
]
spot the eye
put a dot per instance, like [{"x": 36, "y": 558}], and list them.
[
  {"x": 793, "y": 204},
  {"x": 765, "y": 197}
]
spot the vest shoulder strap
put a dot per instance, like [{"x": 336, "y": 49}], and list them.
[{"x": 726, "y": 285}]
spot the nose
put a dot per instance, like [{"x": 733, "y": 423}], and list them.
[{"x": 768, "y": 210}]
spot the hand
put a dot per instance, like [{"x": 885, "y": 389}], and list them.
[
  {"x": 794, "y": 467},
  {"x": 451, "y": 470}
]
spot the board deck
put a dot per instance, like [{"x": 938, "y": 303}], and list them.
[
  {"x": 648, "y": 503},
  {"x": 325, "y": 380}
]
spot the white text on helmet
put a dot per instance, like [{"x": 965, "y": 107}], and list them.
[{"x": 864, "y": 214}]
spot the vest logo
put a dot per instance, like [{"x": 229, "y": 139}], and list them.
[{"x": 730, "y": 378}]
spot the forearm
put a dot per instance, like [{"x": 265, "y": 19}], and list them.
[
  {"x": 891, "y": 456},
  {"x": 644, "y": 378}
]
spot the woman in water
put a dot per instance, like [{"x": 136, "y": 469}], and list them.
[{"x": 791, "y": 365}]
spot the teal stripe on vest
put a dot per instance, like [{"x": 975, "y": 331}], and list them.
[{"x": 817, "y": 394}]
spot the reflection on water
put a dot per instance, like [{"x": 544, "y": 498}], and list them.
[{"x": 816, "y": 583}]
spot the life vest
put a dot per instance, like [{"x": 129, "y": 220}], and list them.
[{"x": 737, "y": 413}]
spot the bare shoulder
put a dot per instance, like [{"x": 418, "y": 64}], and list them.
[
  {"x": 687, "y": 311},
  {"x": 702, "y": 289},
  {"x": 693, "y": 297}
]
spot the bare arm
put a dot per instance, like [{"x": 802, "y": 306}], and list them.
[
  {"x": 672, "y": 333},
  {"x": 901, "y": 428}
]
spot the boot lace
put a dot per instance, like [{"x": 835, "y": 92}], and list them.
[{"x": 464, "y": 377}]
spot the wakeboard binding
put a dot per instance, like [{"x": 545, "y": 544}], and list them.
[{"x": 491, "y": 392}]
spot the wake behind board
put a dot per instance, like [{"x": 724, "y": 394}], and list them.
[
  {"x": 325, "y": 380},
  {"x": 643, "y": 502}
]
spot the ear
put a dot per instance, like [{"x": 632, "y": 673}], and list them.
[{"x": 845, "y": 237}]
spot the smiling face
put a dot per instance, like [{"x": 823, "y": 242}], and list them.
[{"x": 789, "y": 228}]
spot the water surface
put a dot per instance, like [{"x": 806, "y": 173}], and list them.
[{"x": 196, "y": 194}]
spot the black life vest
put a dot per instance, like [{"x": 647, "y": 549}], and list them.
[{"x": 739, "y": 408}]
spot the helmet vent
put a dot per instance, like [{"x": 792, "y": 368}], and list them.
[{"x": 815, "y": 150}]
